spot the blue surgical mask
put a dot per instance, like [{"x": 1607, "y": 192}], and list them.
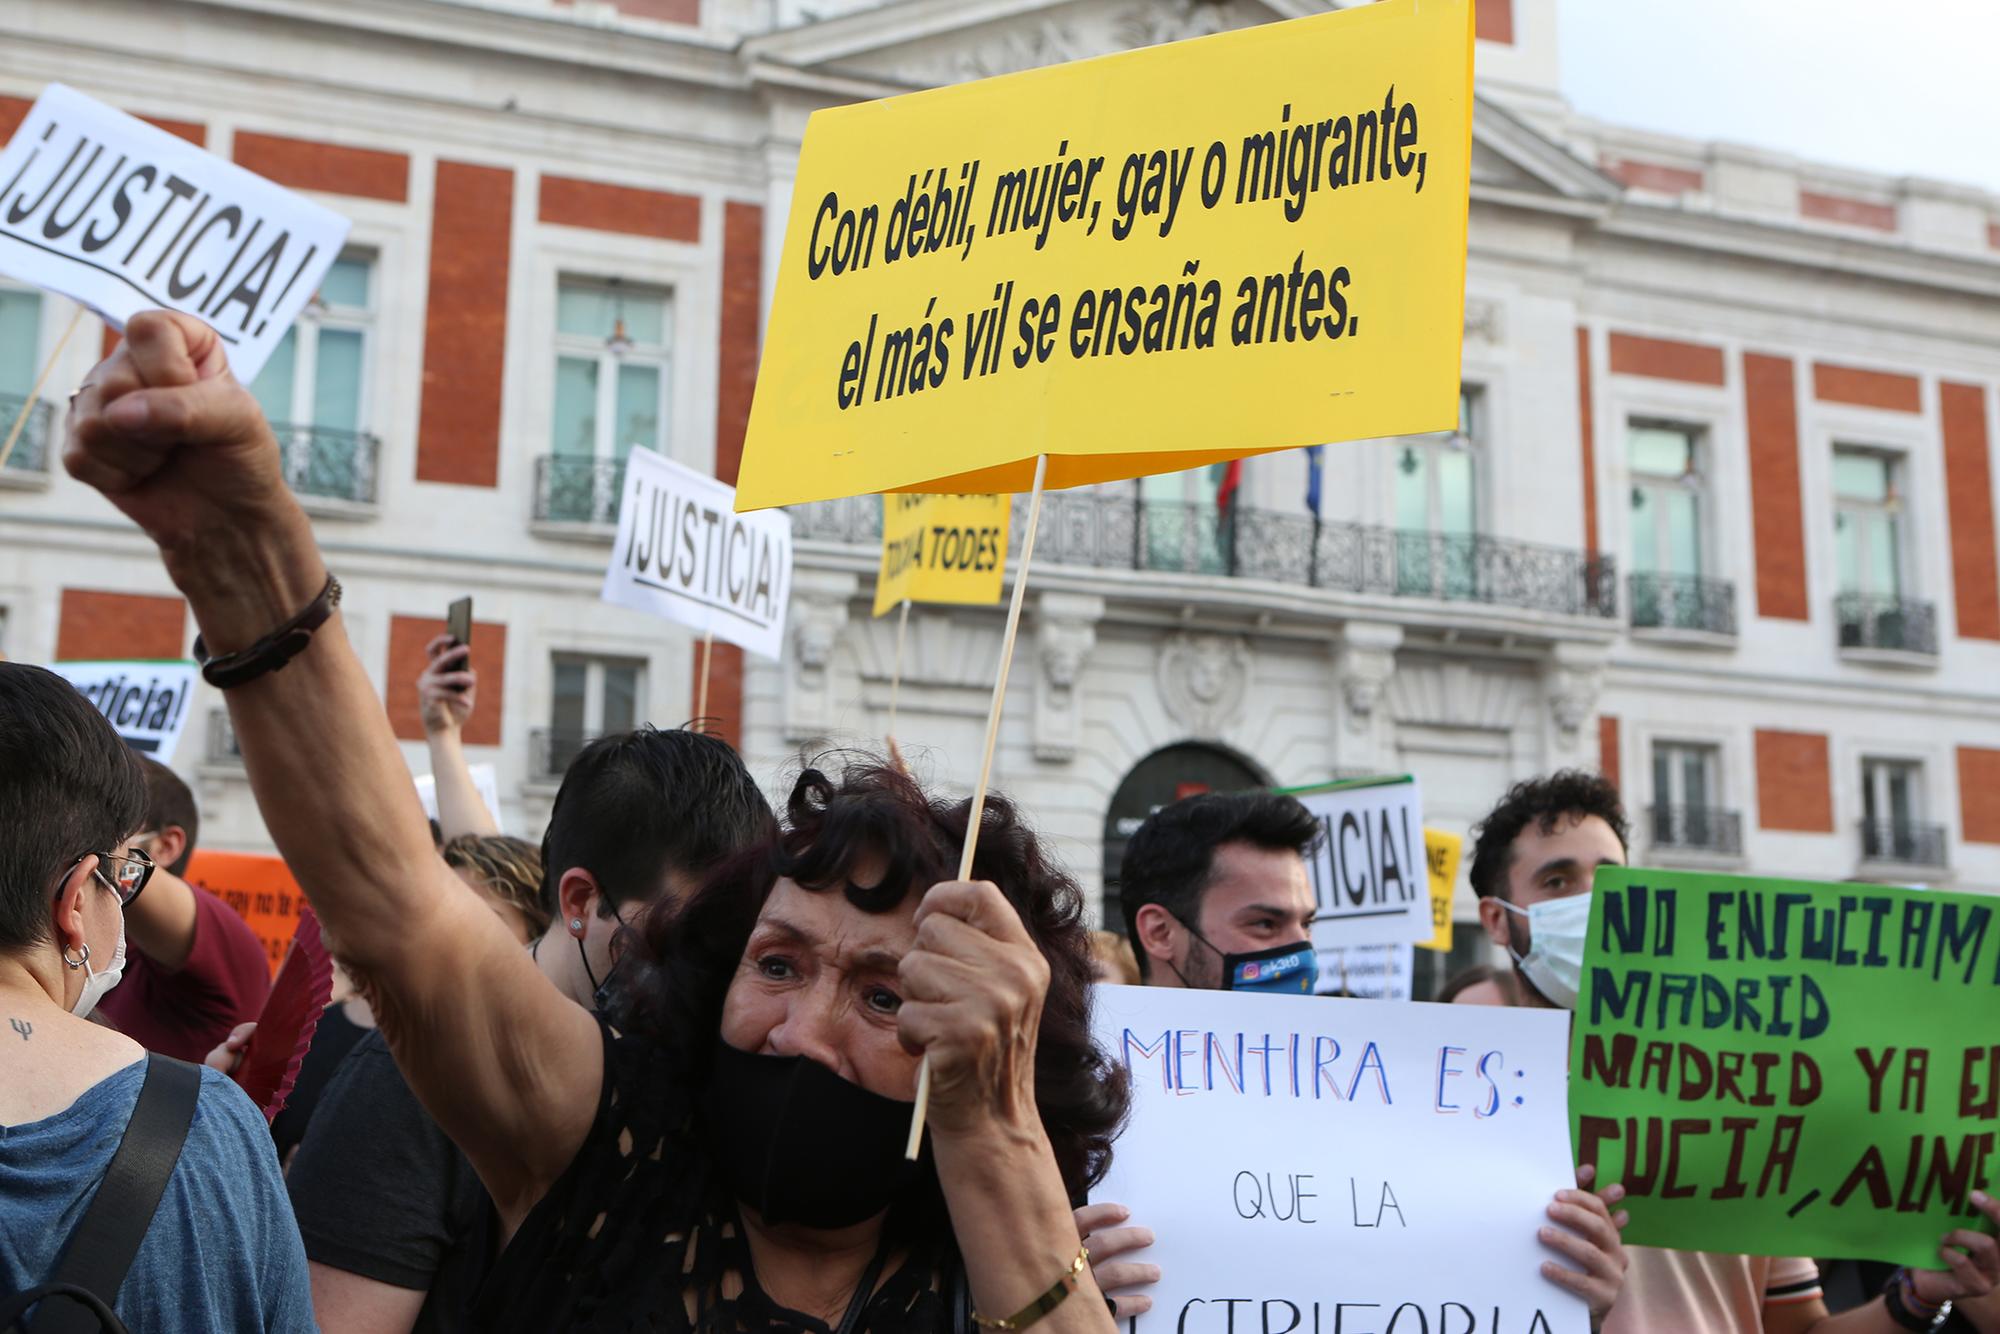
[{"x": 1286, "y": 970}]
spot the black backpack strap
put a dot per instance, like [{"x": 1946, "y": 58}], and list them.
[{"x": 106, "y": 1241}]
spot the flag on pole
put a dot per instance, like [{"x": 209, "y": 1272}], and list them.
[
  {"x": 1232, "y": 478},
  {"x": 1315, "y": 462}
]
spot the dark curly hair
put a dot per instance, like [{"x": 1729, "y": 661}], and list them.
[
  {"x": 1543, "y": 802},
  {"x": 680, "y": 963}
]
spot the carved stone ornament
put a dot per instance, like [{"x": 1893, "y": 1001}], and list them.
[
  {"x": 1204, "y": 680},
  {"x": 1065, "y": 632},
  {"x": 1484, "y": 321},
  {"x": 1574, "y": 680},
  {"x": 817, "y": 619}
]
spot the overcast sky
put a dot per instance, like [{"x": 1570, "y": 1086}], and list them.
[{"x": 1911, "y": 87}]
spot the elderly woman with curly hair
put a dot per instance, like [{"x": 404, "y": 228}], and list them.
[{"x": 731, "y": 1161}]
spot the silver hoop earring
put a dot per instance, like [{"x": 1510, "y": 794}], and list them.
[{"x": 77, "y": 963}]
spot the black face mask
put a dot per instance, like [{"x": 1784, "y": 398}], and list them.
[{"x": 799, "y": 1144}]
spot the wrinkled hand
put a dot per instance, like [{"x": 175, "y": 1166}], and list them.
[
  {"x": 1584, "y": 1231},
  {"x": 167, "y": 434},
  {"x": 1095, "y": 1223},
  {"x": 448, "y": 687},
  {"x": 1973, "y": 1259},
  {"x": 972, "y": 1002},
  {"x": 228, "y": 1054}
]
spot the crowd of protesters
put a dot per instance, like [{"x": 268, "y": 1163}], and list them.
[{"x": 657, "y": 1073}]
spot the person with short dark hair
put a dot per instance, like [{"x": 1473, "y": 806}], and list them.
[
  {"x": 196, "y": 969},
  {"x": 221, "y": 1251},
  {"x": 396, "y": 1223},
  {"x": 1533, "y": 863},
  {"x": 1216, "y": 895}
]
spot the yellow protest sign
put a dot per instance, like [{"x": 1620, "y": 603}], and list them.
[
  {"x": 1441, "y": 853},
  {"x": 1145, "y": 262},
  {"x": 942, "y": 549}
]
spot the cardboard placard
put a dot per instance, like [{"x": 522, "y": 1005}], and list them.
[
  {"x": 1777, "y": 1067},
  {"x": 1369, "y": 972},
  {"x": 1312, "y": 1164},
  {"x": 684, "y": 553},
  {"x": 1369, "y": 870},
  {"x": 1105, "y": 262},
  {"x": 147, "y": 701},
  {"x": 261, "y": 890},
  {"x": 947, "y": 549},
  {"x": 485, "y": 781},
  {"x": 106, "y": 209},
  {"x": 1442, "y": 852}
]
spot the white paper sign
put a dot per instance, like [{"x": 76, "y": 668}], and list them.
[
  {"x": 123, "y": 217},
  {"x": 148, "y": 702},
  {"x": 484, "y": 781},
  {"x": 1319, "y": 1165},
  {"x": 1372, "y": 972},
  {"x": 1369, "y": 873},
  {"x": 683, "y": 552}
]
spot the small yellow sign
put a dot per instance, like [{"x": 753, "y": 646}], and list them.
[
  {"x": 1441, "y": 852},
  {"x": 942, "y": 549},
  {"x": 1146, "y": 262}
]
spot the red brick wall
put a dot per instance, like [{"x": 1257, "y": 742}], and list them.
[
  {"x": 96, "y": 624},
  {"x": 1794, "y": 782},
  {"x": 1587, "y": 425},
  {"x": 1666, "y": 359},
  {"x": 304, "y": 164},
  {"x": 736, "y": 383},
  {"x": 672, "y": 11},
  {"x": 1852, "y": 212},
  {"x": 13, "y": 110},
  {"x": 1968, "y": 472},
  {"x": 1979, "y": 794},
  {"x": 569, "y": 202},
  {"x": 465, "y": 326},
  {"x": 1652, "y": 175},
  {"x": 1776, "y": 518},
  {"x": 1493, "y": 21},
  {"x": 1607, "y": 748},
  {"x": 1866, "y": 388},
  {"x": 407, "y": 637},
  {"x": 192, "y": 131}
]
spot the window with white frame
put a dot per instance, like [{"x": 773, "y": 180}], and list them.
[
  {"x": 614, "y": 355},
  {"x": 20, "y": 363},
  {"x": 1437, "y": 477},
  {"x": 1687, "y": 798},
  {"x": 1186, "y": 528},
  {"x": 591, "y": 696},
  {"x": 1668, "y": 495},
  {"x": 1868, "y": 524},
  {"x": 317, "y": 375},
  {"x": 1437, "y": 506},
  {"x": 1893, "y": 813}
]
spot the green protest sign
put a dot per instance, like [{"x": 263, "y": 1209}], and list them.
[{"x": 1777, "y": 1067}]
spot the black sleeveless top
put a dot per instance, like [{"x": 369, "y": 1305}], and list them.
[{"x": 639, "y": 1235}]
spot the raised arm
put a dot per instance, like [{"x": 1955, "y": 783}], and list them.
[
  {"x": 508, "y": 1066},
  {"x": 447, "y": 693}
]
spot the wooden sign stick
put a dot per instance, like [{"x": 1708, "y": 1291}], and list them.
[
  {"x": 7, "y": 450},
  {"x": 895, "y": 681},
  {"x": 707, "y": 655},
  {"x": 978, "y": 808}
]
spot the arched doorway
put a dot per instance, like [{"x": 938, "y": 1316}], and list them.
[{"x": 1185, "y": 769}]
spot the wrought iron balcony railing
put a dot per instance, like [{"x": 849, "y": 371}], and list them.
[
  {"x": 328, "y": 463},
  {"x": 1905, "y": 843},
  {"x": 31, "y": 451},
  {"x": 222, "y": 747},
  {"x": 570, "y": 489},
  {"x": 551, "y": 749},
  {"x": 1697, "y": 829},
  {"x": 1869, "y": 621},
  {"x": 1682, "y": 602},
  {"x": 1109, "y": 531}
]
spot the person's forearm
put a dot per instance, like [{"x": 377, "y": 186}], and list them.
[
  {"x": 160, "y": 923},
  {"x": 359, "y": 847},
  {"x": 460, "y": 808},
  {"x": 1868, "y": 1318},
  {"x": 1014, "y": 1226}
]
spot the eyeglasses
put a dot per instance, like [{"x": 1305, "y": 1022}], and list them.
[{"x": 125, "y": 874}]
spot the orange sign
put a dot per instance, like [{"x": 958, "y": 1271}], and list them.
[{"x": 259, "y": 887}]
